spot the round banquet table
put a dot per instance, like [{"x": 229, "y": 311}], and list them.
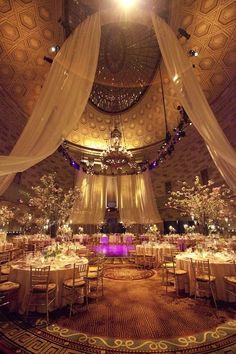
[
  {"x": 156, "y": 250},
  {"x": 20, "y": 273},
  {"x": 219, "y": 268},
  {"x": 82, "y": 238}
]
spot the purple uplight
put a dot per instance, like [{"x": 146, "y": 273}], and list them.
[{"x": 113, "y": 250}]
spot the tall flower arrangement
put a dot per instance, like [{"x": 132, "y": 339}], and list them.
[
  {"x": 53, "y": 203},
  {"x": 153, "y": 229},
  {"x": 204, "y": 203},
  {"x": 6, "y": 215},
  {"x": 24, "y": 219}
]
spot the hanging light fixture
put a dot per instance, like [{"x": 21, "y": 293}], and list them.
[{"x": 116, "y": 156}]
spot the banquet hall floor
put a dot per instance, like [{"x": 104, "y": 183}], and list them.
[{"x": 134, "y": 316}]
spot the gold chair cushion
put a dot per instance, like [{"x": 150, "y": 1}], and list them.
[
  {"x": 5, "y": 270},
  {"x": 92, "y": 275},
  {"x": 205, "y": 277},
  {"x": 177, "y": 271},
  {"x": 9, "y": 286},
  {"x": 78, "y": 282},
  {"x": 167, "y": 265},
  {"x": 230, "y": 279},
  {"x": 39, "y": 288},
  {"x": 93, "y": 269}
]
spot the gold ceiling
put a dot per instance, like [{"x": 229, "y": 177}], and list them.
[{"x": 29, "y": 28}]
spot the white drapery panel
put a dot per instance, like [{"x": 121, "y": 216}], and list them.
[
  {"x": 194, "y": 102},
  {"x": 90, "y": 208},
  {"x": 111, "y": 190},
  {"x": 136, "y": 201},
  {"x": 62, "y": 101}
]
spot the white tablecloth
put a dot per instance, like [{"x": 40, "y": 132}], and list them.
[
  {"x": 21, "y": 274},
  {"x": 218, "y": 269},
  {"x": 158, "y": 250},
  {"x": 82, "y": 238}
]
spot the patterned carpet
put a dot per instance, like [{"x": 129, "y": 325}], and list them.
[
  {"x": 132, "y": 317},
  {"x": 127, "y": 273}
]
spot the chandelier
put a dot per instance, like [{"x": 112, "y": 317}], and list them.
[{"x": 116, "y": 155}]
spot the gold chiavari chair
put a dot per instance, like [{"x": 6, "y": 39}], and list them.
[
  {"x": 42, "y": 292},
  {"x": 174, "y": 275},
  {"x": 140, "y": 257},
  {"x": 149, "y": 258},
  {"x": 132, "y": 255},
  {"x": 95, "y": 280},
  {"x": 8, "y": 290},
  {"x": 166, "y": 261},
  {"x": 5, "y": 258},
  {"x": 76, "y": 287},
  {"x": 230, "y": 283},
  {"x": 204, "y": 282}
]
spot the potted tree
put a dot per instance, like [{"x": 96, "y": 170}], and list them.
[{"x": 206, "y": 204}]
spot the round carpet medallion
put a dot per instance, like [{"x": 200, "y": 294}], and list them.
[{"x": 127, "y": 273}]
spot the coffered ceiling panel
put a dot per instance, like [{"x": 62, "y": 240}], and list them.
[{"x": 28, "y": 29}]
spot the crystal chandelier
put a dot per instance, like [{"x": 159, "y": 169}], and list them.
[{"x": 116, "y": 155}]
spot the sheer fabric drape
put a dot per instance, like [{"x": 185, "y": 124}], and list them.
[
  {"x": 61, "y": 103},
  {"x": 194, "y": 102},
  {"x": 90, "y": 207},
  {"x": 136, "y": 201}
]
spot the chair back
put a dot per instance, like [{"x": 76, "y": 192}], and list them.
[
  {"x": 2, "y": 277},
  {"x": 97, "y": 260},
  {"x": 80, "y": 271},
  {"x": 234, "y": 263},
  {"x": 201, "y": 268},
  {"x": 39, "y": 276},
  {"x": 17, "y": 253},
  {"x": 100, "y": 269},
  {"x": 170, "y": 254},
  {"x": 5, "y": 257}
]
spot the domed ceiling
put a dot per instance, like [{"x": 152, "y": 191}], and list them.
[
  {"x": 127, "y": 86},
  {"x": 128, "y": 60}
]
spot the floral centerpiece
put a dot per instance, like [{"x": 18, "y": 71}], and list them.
[
  {"x": 204, "y": 203},
  {"x": 6, "y": 214},
  {"x": 153, "y": 229},
  {"x": 65, "y": 229},
  {"x": 80, "y": 230},
  {"x": 189, "y": 229},
  {"x": 53, "y": 251},
  {"x": 154, "y": 232},
  {"x": 52, "y": 202},
  {"x": 172, "y": 230}
]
